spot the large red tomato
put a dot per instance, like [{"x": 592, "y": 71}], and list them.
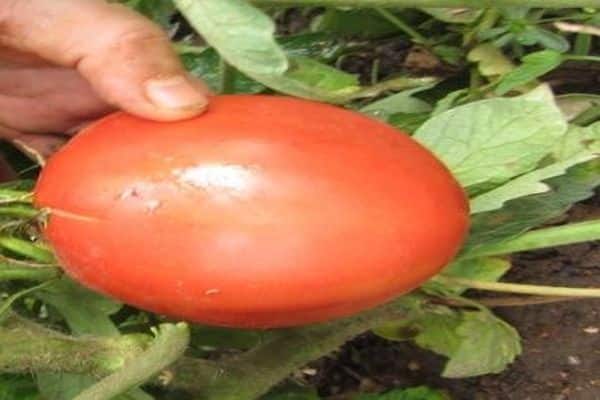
[{"x": 265, "y": 211}]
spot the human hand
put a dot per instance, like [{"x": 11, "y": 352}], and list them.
[{"x": 66, "y": 62}]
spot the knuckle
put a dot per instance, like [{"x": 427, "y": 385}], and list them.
[{"x": 138, "y": 37}]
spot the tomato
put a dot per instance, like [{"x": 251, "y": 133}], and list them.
[{"x": 265, "y": 211}]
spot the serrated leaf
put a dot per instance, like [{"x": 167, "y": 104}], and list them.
[
  {"x": 475, "y": 342},
  {"x": 491, "y": 62},
  {"x": 492, "y": 141},
  {"x": 247, "y": 42},
  {"x": 487, "y": 269},
  {"x": 521, "y": 214},
  {"x": 525, "y": 185},
  {"x": 534, "y": 65},
  {"x": 416, "y": 393},
  {"x": 579, "y": 141},
  {"x": 487, "y": 345},
  {"x": 403, "y": 102},
  {"x": 86, "y": 312}
]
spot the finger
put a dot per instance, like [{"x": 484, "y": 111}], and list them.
[
  {"x": 47, "y": 99},
  {"x": 128, "y": 60}
]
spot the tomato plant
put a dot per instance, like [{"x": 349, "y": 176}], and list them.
[{"x": 275, "y": 209}]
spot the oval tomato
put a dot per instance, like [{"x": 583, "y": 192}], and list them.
[{"x": 265, "y": 211}]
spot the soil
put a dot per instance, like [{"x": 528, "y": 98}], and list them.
[{"x": 561, "y": 341}]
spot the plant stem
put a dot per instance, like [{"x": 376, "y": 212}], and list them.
[
  {"x": 403, "y": 26},
  {"x": 541, "y": 238},
  {"x": 26, "y": 347},
  {"x": 10, "y": 272},
  {"x": 430, "y": 3},
  {"x": 555, "y": 291},
  {"x": 573, "y": 57},
  {"x": 170, "y": 344},
  {"x": 26, "y": 249},
  {"x": 253, "y": 373},
  {"x": 18, "y": 211}
]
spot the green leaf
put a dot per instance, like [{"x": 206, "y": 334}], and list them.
[
  {"x": 454, "y": 15},
  {"x": 524, "y": 185},
  {"x": 403, "y": 102},
  {"x": 490, "y": 60},
  {"x": 205, "y": 65},
  {"x": 491, "y": 141},
  {"x": 475, "y": 342},
  {"x": 534, "y": 65},
  {"x": 241, "y": 33},
  {"x": 579, "y": 141},
  {"x": 487, "y": 345},
  {"x": 250, "y": 47},
  {"x": 449, "y": 101},
  {"x": 449, "y": 54},
  {"x": 416, "y": 393},
  {"x": 86, "y": 312},
  {"x": 158, "y": 10},
  {"x": 309, "y": 76},
  {"x": 408, "y": 122},
  {"x": 521, "y": 214},
  {"x": 364, "y": 23},
  {"x": 437, "y": 331},
  {"x": 551, "y": 40},
  {"x": 487, "y": 269},
  {"x": 17, "y": 387}
]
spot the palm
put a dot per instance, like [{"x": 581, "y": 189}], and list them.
[{"x": 37, "y": 99}]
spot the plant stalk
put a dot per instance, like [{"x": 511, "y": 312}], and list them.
[
  {"x": 537, "y": 290},
  {"x": 431, "y": 3},
  {"x": 26, "y": 347},
  {"x": 253, "y": 373},
  {"x": 170, "y": 344},
  {"x": 541, "y": 238}
]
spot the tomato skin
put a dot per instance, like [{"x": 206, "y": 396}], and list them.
[{"x": 264, "y": 212}]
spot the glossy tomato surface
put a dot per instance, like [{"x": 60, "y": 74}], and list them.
[{"x": 263, "y": 212}]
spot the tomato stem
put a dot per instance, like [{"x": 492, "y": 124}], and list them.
[
  {"x": 251, "y": 374},
  {"x": 539, "y": 239},
  {"x": 170, "y": 344},
  {"x": 12, "y": 272},
  {"x": 25, "y": 345},
  {"x": 538, "y": 290}
]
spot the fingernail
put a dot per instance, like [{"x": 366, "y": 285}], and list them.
[{"x": 175, "y": 93}]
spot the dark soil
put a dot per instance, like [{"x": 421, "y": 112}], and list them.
[{"x": 561, "y": 341}]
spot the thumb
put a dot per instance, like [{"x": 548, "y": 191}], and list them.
[{"x": 128, "y": 60}]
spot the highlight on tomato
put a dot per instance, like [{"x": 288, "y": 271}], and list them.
[{"x": 265, "y": 211}]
